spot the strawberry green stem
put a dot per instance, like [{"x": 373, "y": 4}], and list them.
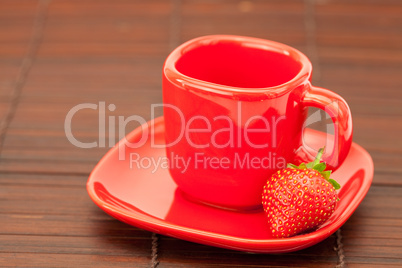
[
  {"x": 318, "y": 166},
  {"x": 318, "y": 157}
]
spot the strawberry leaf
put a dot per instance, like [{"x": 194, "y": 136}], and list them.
[
  {"x": 292, "y": 166},
  {"x": 310, "y": 165},
  {"x": 302, "y": 166},
  {"x": 320, "y": 167},
  {"x": 326, "y": 174},
  {"x": 335, "y": 184}
]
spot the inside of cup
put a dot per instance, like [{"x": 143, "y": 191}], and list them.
[{"x": 234, "y": 64}]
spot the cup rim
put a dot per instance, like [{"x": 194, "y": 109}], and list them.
[{"x": 181, "y": 80}]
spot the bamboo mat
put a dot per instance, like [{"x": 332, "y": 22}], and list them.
[{"x": 57, "y": 54}]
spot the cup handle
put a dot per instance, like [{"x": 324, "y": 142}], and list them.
[{"x": 337, "y": 108}]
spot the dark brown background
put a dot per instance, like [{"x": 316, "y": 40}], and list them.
[{"x": 55, "y": 55}]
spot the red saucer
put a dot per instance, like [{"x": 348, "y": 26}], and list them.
[{"x": 151, "y": 200}]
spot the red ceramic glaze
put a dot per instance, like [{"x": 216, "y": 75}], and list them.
[
  {"x": 240, "y": 83},
  {"x": 148, "y": 198}
]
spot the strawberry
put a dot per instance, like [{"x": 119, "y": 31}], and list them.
[{"x": 299, "y": 198}]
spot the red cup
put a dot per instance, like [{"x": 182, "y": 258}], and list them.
[{"x": 234, "y": 111}]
